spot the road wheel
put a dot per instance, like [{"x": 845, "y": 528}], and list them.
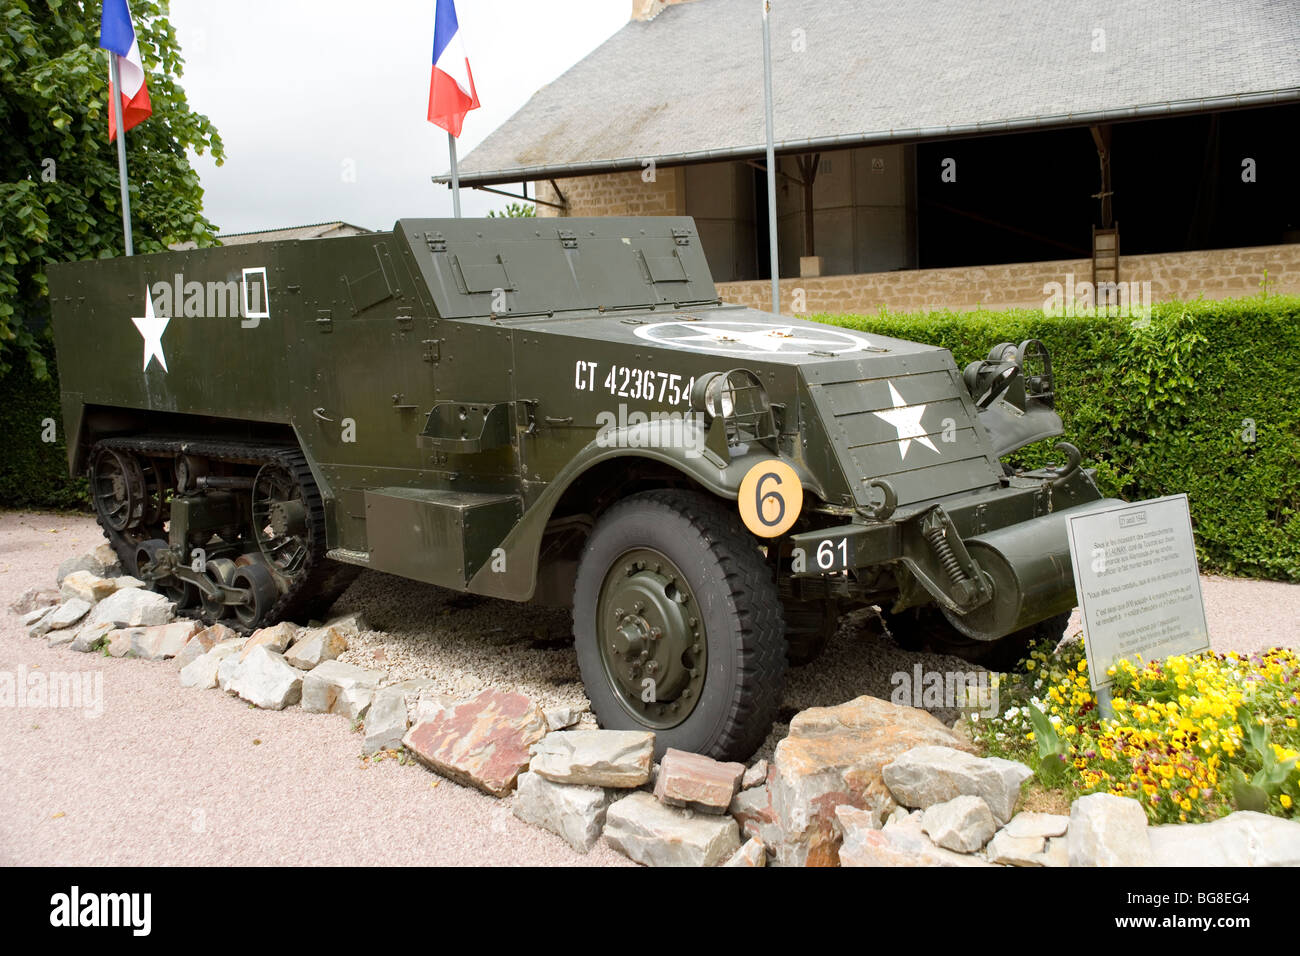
[
  {"x": 925, "y": 628},
  {"x": 678, "y": 625},
  {"x": 259, "y": 582},
  {"x": 219, "y": 571}
]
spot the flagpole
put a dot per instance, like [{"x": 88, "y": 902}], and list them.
[
  {"x": 115, "y": 104},
  {"x": 771, "y": 158},
  {"x": 455, "y": 177}
]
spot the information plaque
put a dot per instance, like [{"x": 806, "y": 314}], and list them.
[{"x": 1138, "y": 584}]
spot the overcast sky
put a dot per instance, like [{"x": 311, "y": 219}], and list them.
[{"x": 322, "y": 104}]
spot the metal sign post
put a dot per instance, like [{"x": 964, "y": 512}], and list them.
[
  {"x": 455, "y": 177},
  {"x": 771, "y": 158},
  {"x": 115, "y": 94}
]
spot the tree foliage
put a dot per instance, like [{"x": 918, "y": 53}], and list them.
[
  {"x": 59, "y": 193},
  {"x": 514, "y": 210}
]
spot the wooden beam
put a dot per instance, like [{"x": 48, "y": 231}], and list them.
[
  {"x": 808, "y": 174},
  {"x": 1101, "y": 137}
]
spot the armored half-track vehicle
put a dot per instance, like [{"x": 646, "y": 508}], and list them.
[{"x": 566, "y": 413}]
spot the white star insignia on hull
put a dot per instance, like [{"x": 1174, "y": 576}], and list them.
[
  {"x": 151, "y": 328},
  {"x": 907, "y": 420}
]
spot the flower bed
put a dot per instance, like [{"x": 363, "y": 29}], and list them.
[{"x": 1193, "y": 738}]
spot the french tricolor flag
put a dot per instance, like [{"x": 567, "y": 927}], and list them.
[
  {"x": 117, "y": 35},
  {"x": 451, "y": 88}
]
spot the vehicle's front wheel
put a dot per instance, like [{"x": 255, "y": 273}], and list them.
[{"x": 678, "y": 625}]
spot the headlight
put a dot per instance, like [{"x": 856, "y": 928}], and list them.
[
  {"x": 715, "y": 394},
  {"x": 737, "y": 397},
  {"x": 719, "y": 397}
]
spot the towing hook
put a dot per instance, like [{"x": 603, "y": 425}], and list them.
[
  {"x": 884, "y": 509},
  {"x": 1073, "y": 460}
]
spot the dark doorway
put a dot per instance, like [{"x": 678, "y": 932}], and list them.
[
  {"x": 763, "y": 260},
  {"x": 1178, "y": 186}
]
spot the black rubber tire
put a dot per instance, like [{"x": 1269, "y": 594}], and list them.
[
  {"x": 260, "y": 583},
  {"x": 925, "y": 628},
  {"x": 809, "y": 626},
  {"x": 742, "y": 619}
]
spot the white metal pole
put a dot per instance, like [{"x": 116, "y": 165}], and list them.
[
  {"x": 771, "y": 159},
  {"x": 116, "y": 107},
  {"x": 455, "y": 177}
]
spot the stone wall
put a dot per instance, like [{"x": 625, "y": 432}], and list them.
[
  {"x": 619, "y": 194},
  {"x": 864, "y": 209},
  {"x": 1214, "y": 274}
]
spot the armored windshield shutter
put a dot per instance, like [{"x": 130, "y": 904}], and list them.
[
  {"x": 481, "y": 272},
  {"x": 374, "y": 287}
]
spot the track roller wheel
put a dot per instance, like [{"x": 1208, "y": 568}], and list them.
[
  {"x": 219, "y": 571},
  {"x": 259, "y": 582}
]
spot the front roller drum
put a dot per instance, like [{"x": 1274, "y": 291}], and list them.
[{"x": 1028, "y": 566}]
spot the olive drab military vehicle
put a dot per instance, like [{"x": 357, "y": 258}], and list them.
[{"x": 566, "y": 413}]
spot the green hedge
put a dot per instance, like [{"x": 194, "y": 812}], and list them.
[
  {"x": 1161, "y": 408},
  {"x": 34, "y": 472}
]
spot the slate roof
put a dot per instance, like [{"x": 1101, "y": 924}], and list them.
[
  {"x": 312, "y": 231},
  {"x": 688, "y": 85}
]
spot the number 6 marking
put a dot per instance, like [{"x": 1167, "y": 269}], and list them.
[{"x": 770, "y": 498}]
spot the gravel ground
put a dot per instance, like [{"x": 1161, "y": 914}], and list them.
[{"x": 173, "y": 776}]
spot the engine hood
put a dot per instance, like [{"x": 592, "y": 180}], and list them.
[{"x": 855, "y": 406}]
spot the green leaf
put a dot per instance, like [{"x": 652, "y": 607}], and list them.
[
  {"x": 53, "y": 87},
  {"x": 1246, "y": 794}
]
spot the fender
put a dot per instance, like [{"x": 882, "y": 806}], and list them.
[{"x": 523, "y": 545}]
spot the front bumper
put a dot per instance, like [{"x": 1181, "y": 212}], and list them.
[{"x": 993, "y": 561}]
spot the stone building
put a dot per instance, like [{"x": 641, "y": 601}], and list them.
[{"x": 961, "y": 154}]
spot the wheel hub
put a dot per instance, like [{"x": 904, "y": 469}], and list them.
[
  {"x": 288, "y": 518},
  {"x": 279, "y": 519},
  {"x": 652, "y": 641}
]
